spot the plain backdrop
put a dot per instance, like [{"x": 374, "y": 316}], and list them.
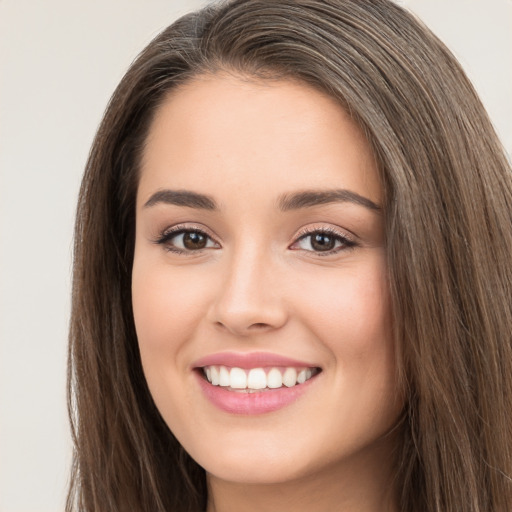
[{"x": 60, "y": 60}]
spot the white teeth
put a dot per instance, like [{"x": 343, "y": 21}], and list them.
[
  {"x": 215, "y": 375},
  {"x": 238, "y": 378},
  {"x": 290, "y": 377},
  {"x": 274, "y": 379},
  {"x": 257, "y": 378},
  {"x": 224, "y": 376}
]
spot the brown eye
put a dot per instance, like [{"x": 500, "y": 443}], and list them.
[
  {"x": 194, "y": 240},
  {"x": 322, "y": 242},
  {"x": 186, "y": 241}
]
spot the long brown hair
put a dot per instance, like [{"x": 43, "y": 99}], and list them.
[{"x": 448, "y": 204}]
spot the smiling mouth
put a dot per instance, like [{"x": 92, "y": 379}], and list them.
[{"x": 256, "y": 380}]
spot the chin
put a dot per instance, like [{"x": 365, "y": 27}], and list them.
[
  {"x": 254, "y": 459},
  {"x": 255, "y": 472}
]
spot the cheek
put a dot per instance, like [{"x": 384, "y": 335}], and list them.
[
  {"x": 167, "y": 310},
  {"x": 353, "y": 321},
  {"x": 166, "y": 304},
  {"x": 351, "y": 311}
]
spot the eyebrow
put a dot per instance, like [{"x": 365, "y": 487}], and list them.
[
  {"x": 310, "y": 198},
  {"x": 286, "y": 202},
  {"x": 182, "y": 198}
]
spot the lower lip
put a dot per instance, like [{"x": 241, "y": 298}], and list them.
[{"x": 252, "y": 403}]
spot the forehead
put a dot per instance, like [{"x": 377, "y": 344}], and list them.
[{"x": 221, "y": 134}]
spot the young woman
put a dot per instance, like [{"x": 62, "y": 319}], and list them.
[{"x": 293, "y": 287}]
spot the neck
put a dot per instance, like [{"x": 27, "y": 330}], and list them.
[{"x": 357, "y": 485}]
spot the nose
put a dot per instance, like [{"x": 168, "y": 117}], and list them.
[{"x": 249, "y": 300}]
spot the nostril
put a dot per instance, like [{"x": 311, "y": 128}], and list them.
[{"x": 259, "y": 325}]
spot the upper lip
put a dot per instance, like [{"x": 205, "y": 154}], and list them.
[{"x": 250, "y": 360}]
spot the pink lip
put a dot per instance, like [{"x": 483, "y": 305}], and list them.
[
  {"x": 250, "y": 360},
  {"x": 252, "y": 403}
]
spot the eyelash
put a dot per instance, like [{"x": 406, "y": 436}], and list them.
[
  {"x": 166, "y": 237},
  {"x": 347, "y": 243}
]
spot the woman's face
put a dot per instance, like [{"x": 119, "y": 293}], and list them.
[{"x": 260, "y": 262}]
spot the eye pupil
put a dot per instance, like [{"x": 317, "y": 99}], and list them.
[
  {"x": 194, "y": 240},
  {"x": 322, "y": 242}
]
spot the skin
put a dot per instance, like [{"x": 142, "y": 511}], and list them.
[{"x": 259, "y": 285}]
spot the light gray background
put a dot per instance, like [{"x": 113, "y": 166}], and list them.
[{"x": 59, "y": 62}]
